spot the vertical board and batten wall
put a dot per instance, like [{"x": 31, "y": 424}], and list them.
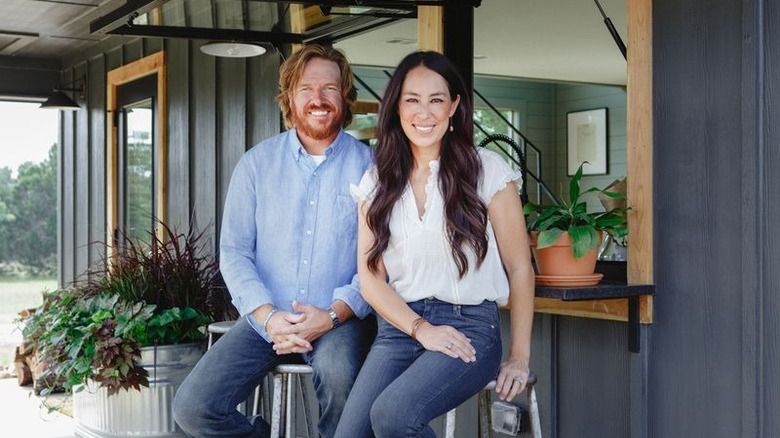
[
  {"x": 217, "y": 108},
  {"x": 715, "y": 344}
]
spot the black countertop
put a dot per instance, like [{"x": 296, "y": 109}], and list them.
[
  {"x": 601, "y": 291},
  {"x": 613, "y": 285}
]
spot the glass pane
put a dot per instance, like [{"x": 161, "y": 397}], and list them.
[
  {"x": 492, "y": 123},
  {"x": 363, "y": 128},
  {"x": 139, "y": 172}
]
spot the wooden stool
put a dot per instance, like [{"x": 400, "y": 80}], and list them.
[
  {"x": 485, "y": 420},
  {"x": 284, "y": 399}
]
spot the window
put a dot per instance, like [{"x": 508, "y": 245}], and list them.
[{"x": 136, "y": 170}]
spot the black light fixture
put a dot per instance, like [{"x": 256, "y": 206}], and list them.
[{"x": 58, "y": 100}]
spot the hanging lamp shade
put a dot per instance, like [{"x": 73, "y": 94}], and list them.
[
  {"x": 60, "y": 101},
  {"x": 232, "y": 49}
]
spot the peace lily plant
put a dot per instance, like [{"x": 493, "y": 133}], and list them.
[{"x": 549, "y": 221}]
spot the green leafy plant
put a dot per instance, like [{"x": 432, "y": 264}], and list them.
[
  {"x": 549, "y": 221},
  {"x": 146, "y": 294}
]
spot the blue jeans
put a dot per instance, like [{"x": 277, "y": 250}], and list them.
[
  {"x": 402, "y": 386},
  {"x": 205, "y": 403}
]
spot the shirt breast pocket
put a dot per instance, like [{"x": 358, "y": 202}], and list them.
[{"x": 345, "y": 216}]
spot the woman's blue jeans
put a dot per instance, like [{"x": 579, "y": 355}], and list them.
[
  {"x": 402, "y": 386},
  {"x": 205, "y": 403}
]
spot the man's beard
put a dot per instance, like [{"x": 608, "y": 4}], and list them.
[{"x": 318, "y": 132}]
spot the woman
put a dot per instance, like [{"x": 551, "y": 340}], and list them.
[{"x": 441, "y": 243}]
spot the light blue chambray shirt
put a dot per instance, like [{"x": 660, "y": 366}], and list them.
[{"x": 289, "y": 227}]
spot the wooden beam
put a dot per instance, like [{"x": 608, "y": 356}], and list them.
[
  {"x": 430, "y": 28},
  {"x": 614, "y": 310},
  {"x": 365, "y": 107},
  {"x": 639, "y": 86},
  {"x": 304, "y": 18},
  {"x": 640, "y": 142}
]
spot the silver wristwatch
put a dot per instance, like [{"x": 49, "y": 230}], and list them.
[{"x": 334, "y": 317}]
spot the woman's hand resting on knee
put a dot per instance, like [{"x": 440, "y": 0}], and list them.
[{"x": 446, "y": 339}]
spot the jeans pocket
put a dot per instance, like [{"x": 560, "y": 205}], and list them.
[{"x": 480, "y": 323}]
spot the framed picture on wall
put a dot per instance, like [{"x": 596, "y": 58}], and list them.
[{"x": 586, "y": 132}]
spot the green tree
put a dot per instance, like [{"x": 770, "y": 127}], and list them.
[
  {"x": 32, "y": 236},
  {"x": 6, "y": 216}
]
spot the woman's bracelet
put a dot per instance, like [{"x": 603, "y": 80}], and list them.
[
  {"x": 268, "y": 318},
  {"x": 415, "y": 325}
]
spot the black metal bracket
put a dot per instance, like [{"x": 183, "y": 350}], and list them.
[
  {"x": 633, "y": 324},
  {"x": 607, "y": 292}
]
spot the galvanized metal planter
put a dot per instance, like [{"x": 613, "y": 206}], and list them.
[{"x": 144, "y": 413}]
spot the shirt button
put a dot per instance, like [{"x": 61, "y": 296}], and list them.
[
  {"x": 308, "y": 232},
  {"x": 311, "y": 202},
  {"x": 301, "y": 291},
  {"x": 305, "y": 262}
]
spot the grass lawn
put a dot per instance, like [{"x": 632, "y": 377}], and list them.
[{"x": 16, "y": 295}]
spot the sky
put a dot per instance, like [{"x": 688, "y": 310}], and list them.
[{"x": 26, "y": 133}]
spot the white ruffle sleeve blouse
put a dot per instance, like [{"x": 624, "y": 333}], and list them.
[{"x": 418, "y": 259}]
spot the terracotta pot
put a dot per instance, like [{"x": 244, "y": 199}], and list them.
[{"x": 559, "y": 260}]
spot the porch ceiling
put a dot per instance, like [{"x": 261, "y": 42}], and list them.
[{"x": 551, "y": 39}]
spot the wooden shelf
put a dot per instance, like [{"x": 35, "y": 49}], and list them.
[{"x": 618, "y": 302}]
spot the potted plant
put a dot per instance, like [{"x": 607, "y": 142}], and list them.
[
  {"x": 565, "y": 236},
  {"x": 123, "y": 337}
]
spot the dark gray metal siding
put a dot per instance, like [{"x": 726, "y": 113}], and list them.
[
  {"x": 713, "y": 359},
  {"x": 767, "y": 153},
  {"x": 213, "y": 106}
]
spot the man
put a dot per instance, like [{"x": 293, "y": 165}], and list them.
[{"x": 288, "y": 256}]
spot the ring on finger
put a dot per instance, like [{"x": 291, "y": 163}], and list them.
[{"x": 449, "y": 346}]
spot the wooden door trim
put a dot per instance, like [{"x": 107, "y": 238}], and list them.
[{"x": 149, "y": 65}]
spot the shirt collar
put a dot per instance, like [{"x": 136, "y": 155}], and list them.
[{"x": 298, "y": 151}]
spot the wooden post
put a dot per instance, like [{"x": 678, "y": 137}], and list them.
[
  {"x": 640, "y": 148},
  {"x": 449, "y": 29}
]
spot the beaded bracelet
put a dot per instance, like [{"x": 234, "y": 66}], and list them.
[
  {"x": 415, "y": 325},
  {"x": 268, "y": 318}
]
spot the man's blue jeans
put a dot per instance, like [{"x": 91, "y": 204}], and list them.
[
  {"x": 402, "y": 386},
  {"x": 205, "y": 404}
]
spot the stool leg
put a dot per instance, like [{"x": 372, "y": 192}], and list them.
[
  {"x": 266, "y": 396},
  {"x": 449, "y": 424},
  {"x": 307, "y": 412},
  {"x": 533, "y": 408},
  {"x": 257, "y": 400},
  {"x": 290, "y": 405},
  {"x": 276, "y": 410},
  {"x": 485, "y": 423}
]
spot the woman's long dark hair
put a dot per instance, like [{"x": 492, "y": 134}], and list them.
[{"x": 460, "y": 168}]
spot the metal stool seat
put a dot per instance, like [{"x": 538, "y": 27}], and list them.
[
  {"x": 485, "y": 420},
  {"x": 218, "y": 328},
  {"x": 284, "y": 399}
]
